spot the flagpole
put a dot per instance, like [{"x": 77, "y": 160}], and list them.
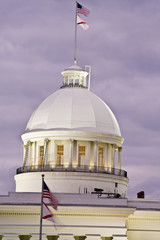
[
  {"x": 40, "y": 231},
  {"x": 75, "y": 46}
]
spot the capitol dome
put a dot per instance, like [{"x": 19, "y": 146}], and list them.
[
  {"x": 74, "y": 109},
  {"x": 73, "y": 138}
]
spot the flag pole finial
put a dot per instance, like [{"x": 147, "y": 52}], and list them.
[{"x": 42, "y": 176}]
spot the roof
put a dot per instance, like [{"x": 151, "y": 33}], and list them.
[
  {"x": 74, "y": 108},
  {"x": 77, "y": 199}
]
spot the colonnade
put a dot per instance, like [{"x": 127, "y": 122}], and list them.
[
  {"x": 71, "y": 237},
  {"x": 71, "y": 155}
]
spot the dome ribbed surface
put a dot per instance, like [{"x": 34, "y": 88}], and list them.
[{"x": 74, "y": 109}]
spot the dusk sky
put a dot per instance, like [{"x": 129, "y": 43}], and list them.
[{"x": 122, "y": 46}]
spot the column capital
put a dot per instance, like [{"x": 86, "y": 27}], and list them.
[
  {"x": 25, "y": 237},
  {"x": 120, "y": 149},
  {"x": 1, "y": 236},
  {"x": 52, "y": 237},
  {"x": 79, "y": 237}
]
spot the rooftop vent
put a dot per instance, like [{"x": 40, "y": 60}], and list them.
[{"x": 141, "y": 194}]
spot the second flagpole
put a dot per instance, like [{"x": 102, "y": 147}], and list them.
[
  {"x": 41, "y": 215},
  {"x": 75, "y": 40}
]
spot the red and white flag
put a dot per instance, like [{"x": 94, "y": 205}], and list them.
[
  {"x": 82, "y": 23},
  {"x": 82, "y": 10},
  {"x": 47, "y": 214},
  {"x": 48, "y": 197}
]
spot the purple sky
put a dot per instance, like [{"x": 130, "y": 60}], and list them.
[{"x": 123, "y": 48}]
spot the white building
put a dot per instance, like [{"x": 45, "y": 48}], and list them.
[{"x": 73, "y": 138}]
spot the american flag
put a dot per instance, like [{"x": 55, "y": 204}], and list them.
[
  {"x": 82, "y": 10},
  {"x": 48, "y": 195}
]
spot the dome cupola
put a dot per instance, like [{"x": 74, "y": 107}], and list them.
[{"x": 74, "y": 76}]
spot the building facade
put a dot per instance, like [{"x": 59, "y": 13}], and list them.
[{"x": 74, "y": 139}]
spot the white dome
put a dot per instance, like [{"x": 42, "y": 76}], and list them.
[{"x": 74, "y": 109}]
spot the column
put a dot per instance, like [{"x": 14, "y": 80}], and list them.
[
  {"x": 113, "y": 157},
  {"x": 119, "y": 160},
  {"x": 35, "y": 153},
  {"x": 25, "y": 237},
  {"x": 88, "y": 160},
  {"x": 52, "y": 237},
  {"x": 93, "y": 237},
  {"x": 105, "y": 157},
  {"x": 25, "y": 155},
  {"x": 95, "y": 154},
  {"x": 65, "y": 237},
  {"x": 71, "y": 153},
  {"x": 109, "y": 158},
  {"x": 74, "y": 154},
  {"x": 46, "y": 141},
  {"x": 77, "y": 154},
  {"x": 30, "y": 154},
  {"x": 52, "y": 153}
]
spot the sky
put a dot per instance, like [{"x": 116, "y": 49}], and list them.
[{"x": 122, "y": 46}]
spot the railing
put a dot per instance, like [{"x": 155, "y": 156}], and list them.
[{"x": 84, "y": 168}]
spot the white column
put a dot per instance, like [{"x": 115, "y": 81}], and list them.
[
  {"x": 71, "y": 153},
  {"x": 113, "y": 156},
  {"x": 24, "y": 155},
  {"x": 35, "y": 152},
  {"x": 74, "y": 154},
  {"x": 105, "y": 156},
  {"x": 109, "y": 157},
  {"x": 29, "y": 154},
  {"x": 11, "y": 237},
  {"x": 46, "y": 141},
  {"x": 52, "y": 153},
  {"x": 95, "y": 154},
  {"x": 93, "y": 237},
  {"x": 119, "y": 157},
  {"x": 89, "y": 155},
  {"x": 77, "y": 154},
  {"x": 66, "y": 237}
]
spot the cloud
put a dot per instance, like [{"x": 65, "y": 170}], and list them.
[{"x": 122, "y": 46}]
